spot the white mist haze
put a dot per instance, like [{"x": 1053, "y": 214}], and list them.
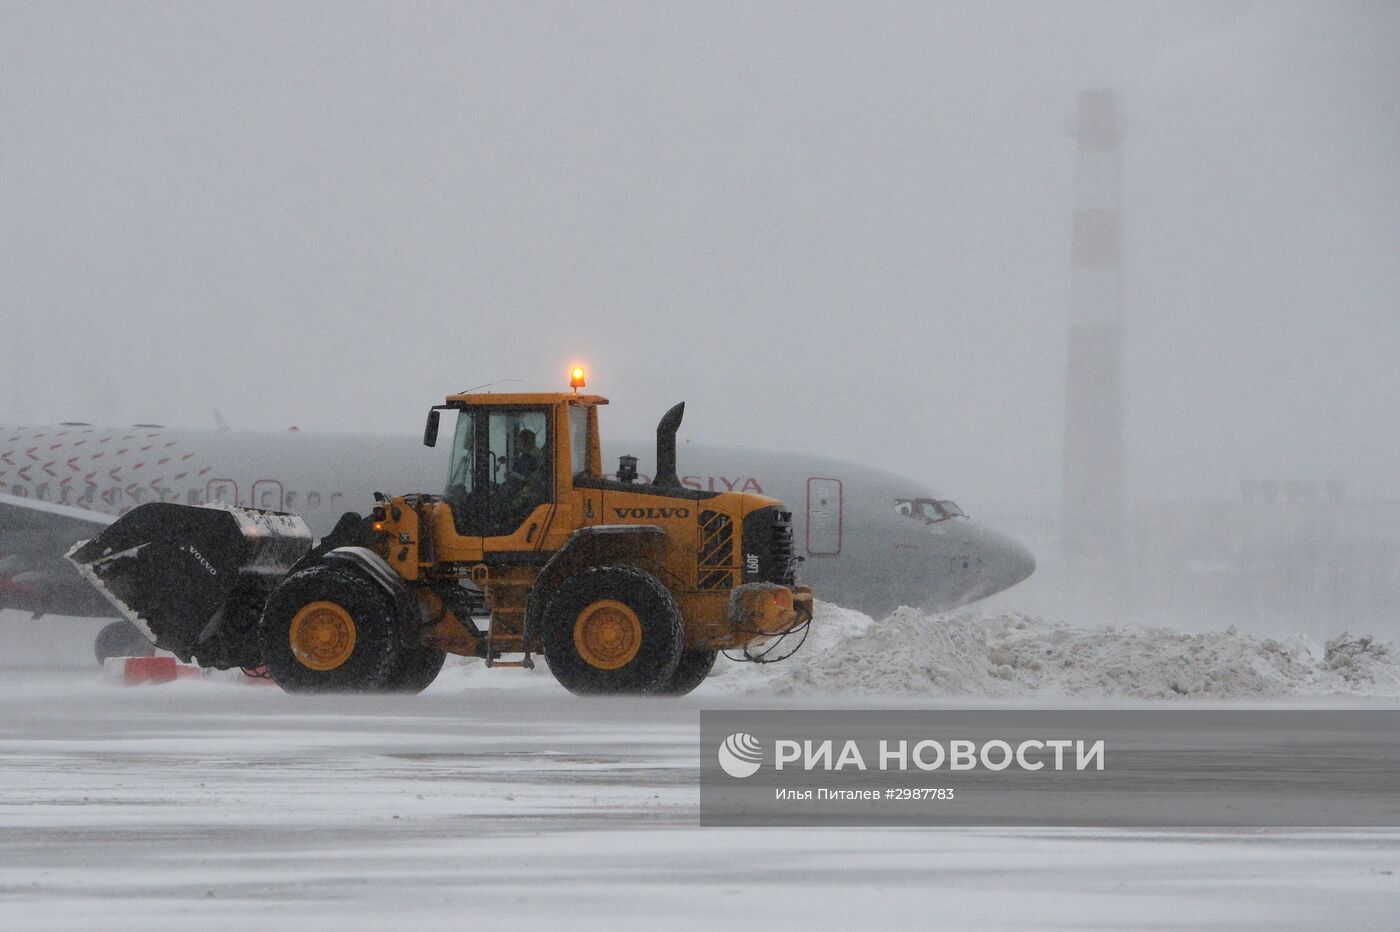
[{"x": 828, "y": 228}]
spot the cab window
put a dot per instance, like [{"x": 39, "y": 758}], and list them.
[
  {"x": 500, "y": 470},
  {"x": 578, "y": 439},
  {"x": 461, "y": 471},
  {"x": 519, "y": 447},
  {"x": 520, "y": 468}
]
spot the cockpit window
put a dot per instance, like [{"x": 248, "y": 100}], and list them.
[{"x": 927, "y": 510}]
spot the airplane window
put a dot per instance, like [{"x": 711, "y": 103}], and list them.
[
  {"x": 925, "y": 509},
  {"x": 313, "y": 499},
  {"x": 931, "y": 511},
  {"x": 291, "y": 501},
  {"x": 952, "y": 508}
]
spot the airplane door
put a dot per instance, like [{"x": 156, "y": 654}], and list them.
[
  {"x": 221, "y": 490},
  {"x": 824, "y": 516},
  {"x": 267, "y": 495}
]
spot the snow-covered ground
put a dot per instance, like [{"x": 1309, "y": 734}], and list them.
[{"x": 496, "y": 800}]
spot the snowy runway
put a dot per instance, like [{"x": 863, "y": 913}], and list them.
[{"x": 229, "y": 806}]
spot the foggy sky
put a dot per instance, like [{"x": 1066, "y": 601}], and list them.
[{"x": 832, "y": 228}]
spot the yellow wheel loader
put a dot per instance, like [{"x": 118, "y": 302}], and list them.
[{"x": 623, "y": 586}]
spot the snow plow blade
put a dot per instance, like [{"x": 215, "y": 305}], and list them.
[{"x": 172, "y": 569}]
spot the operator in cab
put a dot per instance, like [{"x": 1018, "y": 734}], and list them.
[{"x": 529, "y": 458}]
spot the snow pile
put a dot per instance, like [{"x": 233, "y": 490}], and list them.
[
  {"x": 1008, "y": 656},
  {"x": 1360, "y": 661}
]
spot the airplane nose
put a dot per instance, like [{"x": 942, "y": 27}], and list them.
[
  {"x": 1010, "y": 564},
  {"x": 1021, "y": 563},
  {"x": 973, "y": 563}
]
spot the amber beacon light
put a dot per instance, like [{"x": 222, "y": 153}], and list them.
[{"x": 576, "y": 378}]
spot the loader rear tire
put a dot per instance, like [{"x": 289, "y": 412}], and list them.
[
  {"x": 611, "y": 630},
  {"x": 418, "y": 667},
  {"x": 695, "y": 665},
  {"x": 329, "y": 629},
  {"x": 121, "y": 639}
]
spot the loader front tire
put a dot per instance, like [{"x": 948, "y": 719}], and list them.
[
  {"x": 611, "y": 630},
  {"x": 417, "y": 668},
  {"x": 329, "y": 629},
  {"x": 695, "y": 665}
]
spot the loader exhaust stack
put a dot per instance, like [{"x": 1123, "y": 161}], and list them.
[
  {"x": 173, "y": 569},
  {"x": 666, "y": 477}
]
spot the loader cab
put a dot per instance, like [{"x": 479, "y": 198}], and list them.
[
  {"x": 500, "y": 469},
  {"x": 511, "y": 459}
]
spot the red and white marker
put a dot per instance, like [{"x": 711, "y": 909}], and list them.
[{"x": 163, "y": 668}]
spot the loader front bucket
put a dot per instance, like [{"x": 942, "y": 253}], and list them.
[{"x": 170, "y": 568}]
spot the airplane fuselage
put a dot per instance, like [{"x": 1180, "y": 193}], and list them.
[{"x": 861, "y": 547}]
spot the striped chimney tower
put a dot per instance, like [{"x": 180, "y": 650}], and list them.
[{"x": 1093, "y": 490}]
